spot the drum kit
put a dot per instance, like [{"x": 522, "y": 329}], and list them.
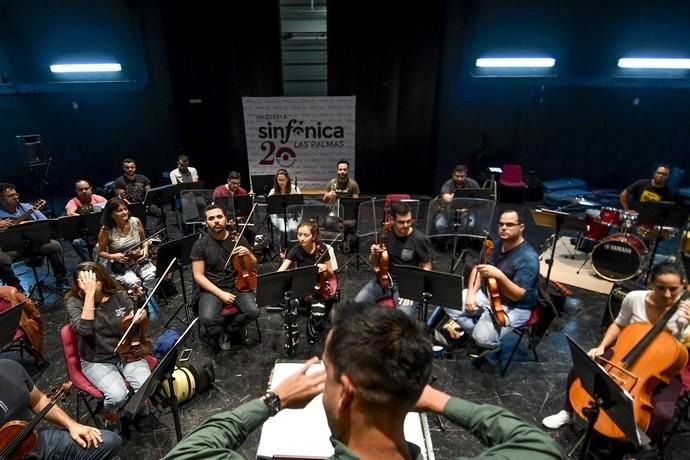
[{"x": 618, "y": 245}]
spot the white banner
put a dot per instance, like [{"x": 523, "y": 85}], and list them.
[{"x": 305, "y": 135}]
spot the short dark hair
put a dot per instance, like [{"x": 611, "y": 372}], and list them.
[
  {"x": 128, "y": 160},
  {"x": 385, "y": 353},
  {"x": 214, "y": 206},
  {"x": 666, "y": 268},
  {"x": 182, "y": 158},
  {"x": 81, "y": 180},
  {"x": 234, "y": 175},
  {"x": 400, "y": 208},
  {"x": 347, "y": 163},
  {"x": 663, "y": 165},
  {"x": 6, "y": 186},
  {"x": 112, "y": 204},
  {"x": 460, "y": 168},
  {"x": 506, "y": 211}
]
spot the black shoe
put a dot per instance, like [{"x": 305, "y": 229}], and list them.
[{"x": 477, "y": 352}]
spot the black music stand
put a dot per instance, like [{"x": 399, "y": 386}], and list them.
[
  {"x": 444, "y": 289},
  {"x": 138, "y": 210},
  {"x": 351, "y": 215},
  {"x": 71, "y": 227},
  {"x": 483, "y": 193},
  {"x": 278, "y": 287},
  {"x": 262, "y": 184},
  {"x": 160, "y": 375},
  {"x": 661, "y": 214},
  {"x": 277, "y": 204},
  {"x": 180, "y": 249},
  {"x": 558, "y": 220},
  {"x": 607, "y": 395}
]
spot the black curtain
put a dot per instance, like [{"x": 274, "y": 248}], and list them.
[
  {"x": 218, "y": 55},
  {"x": 388, "y": 55}
]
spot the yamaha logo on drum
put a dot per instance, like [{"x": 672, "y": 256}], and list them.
[{"x": 616, "y": 248}]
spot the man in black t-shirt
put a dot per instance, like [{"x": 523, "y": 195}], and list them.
[
  {"x": 132, "y": 187},
  {"x": 405, "y": 246},
  {"x": 648, "y": 191},
  {"x": 20, "y": 400},
  {"x": 215, "y": 277}
]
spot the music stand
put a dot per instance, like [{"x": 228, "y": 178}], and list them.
[
  {"x": 558, "y": 220},
  {"x": 607, "y": 395},
  {"x": 93, "y": 223},
  {"x": 162, "y": 374},
  {"x": 444, "y": 289},
  {"x": 180, "y": 249},
  {"x": 277, "y": 287},
  {"x": 9, "y": 322},
  {"x": 661, "y": 214},
  {"x": 277, "y": 204},
  {"x": 138, "y": 210},
  {"x": 483, "y": 193},
  {"x": 261, "y": 184},
  {"x": 350, "y": 222}
]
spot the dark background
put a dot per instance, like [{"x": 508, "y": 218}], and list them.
[{"x": 419, "y": 109}]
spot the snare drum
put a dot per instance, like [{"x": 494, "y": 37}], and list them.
[
  {"x": 611, "y": 217},
  {"x": 594, "y": 232},
  {"x": 619, "y": 257},
  {"x": 650, "y": 233}
]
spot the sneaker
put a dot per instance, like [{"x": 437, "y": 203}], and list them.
[
  {"x": 225, "y": 342},
  {"x": 558, "y": 420},
  {"x": 477, "y": 352}
]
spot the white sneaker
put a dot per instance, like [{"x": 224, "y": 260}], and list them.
[
  {"x": 556, "y": 421},
  {"x": 225, "y": 342}
]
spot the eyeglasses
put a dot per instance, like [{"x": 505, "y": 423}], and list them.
[
  {"x": 234, "y": 183},
  {"x": 507, "y": 224}
]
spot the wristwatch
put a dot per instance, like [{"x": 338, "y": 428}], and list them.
[{"x": 272, "y": 401}]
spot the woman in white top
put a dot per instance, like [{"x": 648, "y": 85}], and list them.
[
  {"x": 667, "y": 285},
  {"x": 282, "y": 185}
]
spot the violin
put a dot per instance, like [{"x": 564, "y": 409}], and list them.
[
  {"x": 492, "y": 291},
  {"x": 246, "y": 278},
  {"x": 18, "y": 438},
  {"x": 323, "y": 286},
  {"x": 134, "y": 343},
  {"x": 26, "y": 214},
  {"x": 644, "y": 356},
  {"x": 381, "y": 261},
  {"x": 133, "y": 254}
]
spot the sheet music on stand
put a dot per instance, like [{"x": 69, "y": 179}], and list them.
[{"x": 304, "y": 433}]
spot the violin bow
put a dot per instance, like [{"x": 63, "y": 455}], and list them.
[
  {"x": 328, "y": 244},
  {"x": 153, "y": 291},
  {"x": 244, "y": 227}
]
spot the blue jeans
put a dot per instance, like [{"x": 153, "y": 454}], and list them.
[
  {"x": 480, "y": 324},
  {"x": 81, "y": 247},
  {"x": 209, "y": 312},
  {"x": 372, "y": 292},
  {"x": 110, "y": 379},
  {"x": 58, "y": 444}
]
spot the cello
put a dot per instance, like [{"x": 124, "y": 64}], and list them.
[
  {"x": 246, "y": 278},
  {"x": 644, "y": 356},
  {"x": 18, "y": 438},
  {"x": 134, "y": 343},
  {"x": 381, "y": 262}
]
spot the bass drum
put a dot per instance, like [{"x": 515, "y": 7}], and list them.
[{"x": 619, "y": 257}]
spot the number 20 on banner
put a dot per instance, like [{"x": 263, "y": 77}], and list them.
[{"x": 285, "y": 156}]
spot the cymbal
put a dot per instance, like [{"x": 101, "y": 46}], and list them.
[{"x": 584, "y": 202}]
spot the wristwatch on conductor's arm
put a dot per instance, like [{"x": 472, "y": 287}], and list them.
[{"x": 272, "y": 401}]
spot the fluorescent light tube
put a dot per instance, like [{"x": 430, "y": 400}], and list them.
[
  {"x": 516, "y": 62},
  {"x": 72, "y": 68}
]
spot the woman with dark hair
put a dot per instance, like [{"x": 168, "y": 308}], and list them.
[
  {"x": 282, "y": 185},
  {"x": 119, "y": 233},
  {"x": 667, "y": 285},
  {"x": 311, "y": 251},
  {"x": 96, "y": 305}
]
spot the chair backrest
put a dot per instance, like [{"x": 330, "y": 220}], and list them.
[
  {"x": 512, "y": 173},
  {"x": 9, "y": 322},
  {"x": 70, "y": 348}
]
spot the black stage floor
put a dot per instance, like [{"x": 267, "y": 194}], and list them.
[{"x": 530, "y": 389}]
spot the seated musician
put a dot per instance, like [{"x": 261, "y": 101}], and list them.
[
  {"x": 514, "y": 264},
  {"x": 367, "y": 392},
  {"x": 21, "y": 400},
  {"x": 11, "y": 210},
  {"x": 282, "y": 185},
  {"x": 231, "y": 188},
  {"x": 405, "y": 246},
  {"x": 96, "y": 305},
  {"x": 341, "y": 186},
  {"x": 83, "y": 203},
  {"x": 119, "y": 233},
  {"x": 183, "y": 174},
  {"x": 215, "y": 276},
  {"x": 459, "y": 180},
  {"x": 132, "y": 187},
  {"x": 666, "y": 286},
  {"x": 310, "y": 251},
  {"x": 646, "y": 190}
]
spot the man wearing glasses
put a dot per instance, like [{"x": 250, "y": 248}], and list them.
[
  {"x": 515, "y": 265},
  {"x": 405, "y": 246},
  {"x": 232, "y": 187},
  {"x": 85, "y": 202}
]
